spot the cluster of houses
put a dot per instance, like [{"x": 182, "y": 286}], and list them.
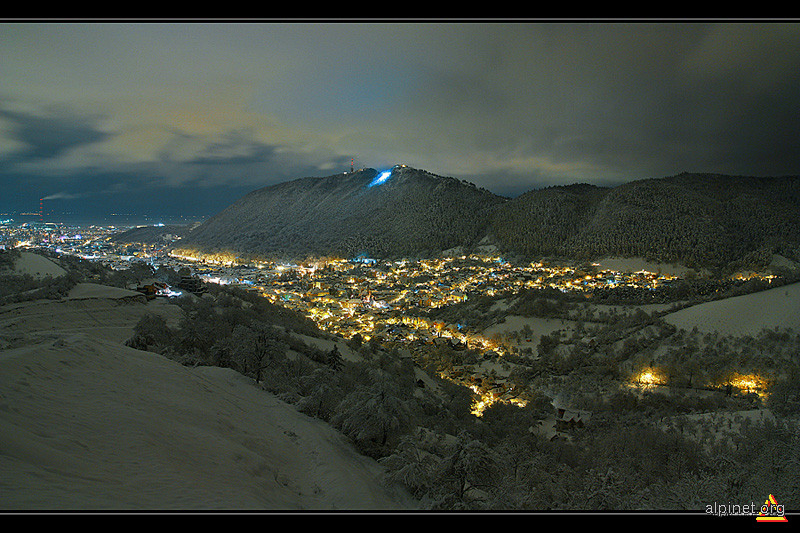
[{"x": 153, "y": 288}]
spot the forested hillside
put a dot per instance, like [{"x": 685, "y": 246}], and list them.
[
  {"x": 711, "y": 221},
  {"x": 411, "y": 213},
  {"x": 701, "y": 220},
  {"x": 548, "y": 222}
]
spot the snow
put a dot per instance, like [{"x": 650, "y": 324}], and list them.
[
  {"x": 109, "y": 319},
  {"x": 93, "y": 290},
  {"x": 326, "y": 345},
  {"x": 744, "y": 315},
  {"x": 637, "y": 264},
  {"x": 626, "y": 309},
  {"x": 430, "y": 384},
  {"x": 87, "y": 423},
  {"x": 37, "y": 266},
  {"x": 458, "y": 251},
  {"x": 780, "y": 261},
  {"x": 539, "y": 327},
  {"x": 500, "y": 305}
]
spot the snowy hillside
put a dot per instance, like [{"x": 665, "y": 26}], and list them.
[
  {"x": 37, "y": 266},
  {"x": 744, "y": 315},
  {"x": 87, "y": 423},
  {"x": 402, "y": 212}
]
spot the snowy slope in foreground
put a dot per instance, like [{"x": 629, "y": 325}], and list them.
[
  {"x": 37, "y": 266},
  {"x": 744, "y": 315},
  {"x": 89, "y": 424}
]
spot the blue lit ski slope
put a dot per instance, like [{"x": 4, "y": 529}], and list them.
[{"x": 381, "y": 178}]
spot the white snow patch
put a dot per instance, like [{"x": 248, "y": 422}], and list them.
[
  {"x": 93, "y": 290},
  {"x": 744, "y": 315},
  {"x": 539, "y": 327},
  {"x": 429, "y": 384},
  {"x": 37, "y": 266},
  {"x": 458, "y": 251},
  {"x": 326, "y": 345},
  {"x": 637, "y": 264},
  {"x": 780, "y": 261}
]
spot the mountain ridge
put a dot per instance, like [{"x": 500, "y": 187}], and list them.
[
  {"x": 412, "y": 212},
  {"x": 699, "y": 219}
]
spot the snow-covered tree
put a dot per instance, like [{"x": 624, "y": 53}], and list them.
[
  {"x": 412, "y": 466},
  {"x": 255, "y": 347},
  {"x": 151, "y": 330},
  {"x": 322, "y": 393},
  {"x": 335, "y": 358},
  {"x": 375, "y": 413},
  {"x": 470, "y": 466}
]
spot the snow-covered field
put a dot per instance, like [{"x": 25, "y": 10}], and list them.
[
  {"x": 37, "y": 266},
  {"x": 105, "y": 312},
  {"x": 538, "y": 327},
  {"x": 744, "y": 315},
  {"x": 85, "y": 291},
  {"x": 87, "y": 423},
  {"x": 637, "y": 264}
]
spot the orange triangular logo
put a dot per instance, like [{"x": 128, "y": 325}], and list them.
[{"x": 771, "y": 511}]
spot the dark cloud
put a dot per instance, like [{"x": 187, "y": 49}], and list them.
[
  {"x": 178, "y": 109},
  {"x": 52, "y": 134},
  {"x": 211, "y": 176}
]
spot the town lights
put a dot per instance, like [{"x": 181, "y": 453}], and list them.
[
  {"x": 481, "y": 402},
  {"x": 749, "y": 383},
  {"x": 649, "y": 377}
]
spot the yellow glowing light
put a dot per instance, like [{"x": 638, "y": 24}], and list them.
[
  {"x": 480, "y": 403},
  {"x": 750, "y": 383},
  {"x": 649, "y": 377}
]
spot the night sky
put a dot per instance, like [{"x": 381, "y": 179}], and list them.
[{"x": 182, "y": 117}]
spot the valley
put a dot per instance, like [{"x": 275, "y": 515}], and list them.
[
  {"x": 472, "y": 367},
  {"x": 400, "y": 266},
  {"x": 479, "y": 320}
]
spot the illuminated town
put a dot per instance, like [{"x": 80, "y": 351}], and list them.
[
  {"x": 385, "y": 301},
  {"x": 389, "y": 300},
  {"x": 400, "y": 266}
]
